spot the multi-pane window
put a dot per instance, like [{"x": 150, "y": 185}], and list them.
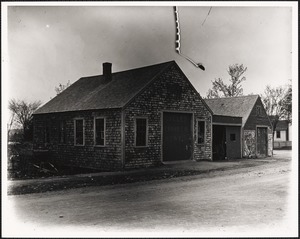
[
  {"x": 232, "y": 137},
  {"x": 62, "y": 132},
  {"x": 141, "y": 132},
  {"x": 201, "y": 132},
  {"x": 278, "y": 134},
  {"x": 79, "y": 132},
  {"x": 99, "y": 131}
]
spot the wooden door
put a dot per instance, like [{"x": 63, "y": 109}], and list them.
[
  {"x": 233, "y": 142},
  {"x": 262, "y": 141},
  {"x": 219, "y": 142},
  {"x": 177, "y": 136}
]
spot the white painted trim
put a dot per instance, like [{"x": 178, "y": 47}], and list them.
[
  {"x": 135, "y": 130},
  {"x": 94, "y": 128},
  {"x": 83, "y": 131},
  {"x": 202, "y": 120}
]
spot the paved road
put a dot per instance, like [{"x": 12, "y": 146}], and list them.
[{"x": 240, "y": 202}]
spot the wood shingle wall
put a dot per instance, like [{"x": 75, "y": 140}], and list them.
[
  {"x": 170, "y": 92},
  {"x": 166, "y": 91},
  {"x": 89, "y": 155}
]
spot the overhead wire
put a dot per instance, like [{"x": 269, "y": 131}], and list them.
[
  {"x": 206, "y": 16},
  {"x": 177, "y": 42}
]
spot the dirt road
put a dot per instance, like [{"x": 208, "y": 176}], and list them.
[{"x": 240, "y": 202}]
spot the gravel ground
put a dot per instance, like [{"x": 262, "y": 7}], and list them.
[
  {"x": 240, "y": 201},
  {"x": 18, "y": 187}
]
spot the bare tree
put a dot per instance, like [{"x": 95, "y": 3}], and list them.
[
  {"x": 22, "y": 114},
  {"x": 272, "y": 98},
  {"x": 10, "y": 124},
  {"x": 287, "y": 103},
  {"x": 278, "y": 103},
  {"x": 60, "y": 88},
  {"x": 220, "y": 89}
]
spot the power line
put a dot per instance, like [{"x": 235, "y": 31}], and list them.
[{"x": 206, "y": 16}]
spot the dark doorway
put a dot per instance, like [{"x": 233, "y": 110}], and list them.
[
  {"x": 177, "y": 136},
  {"x": 219, "y": 142},
  {"x": 262, "y": 141},
  {"x": 226, "y": 142}
]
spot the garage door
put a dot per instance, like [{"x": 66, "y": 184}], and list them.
[{"x": 177, "y": 136}]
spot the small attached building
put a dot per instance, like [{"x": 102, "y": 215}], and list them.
[
  {"x": 226, "y": 141},
  {"x": 136, "y": 118},
  {"x": 241, "y": 128},
  {"x": 283, "y": 135}
]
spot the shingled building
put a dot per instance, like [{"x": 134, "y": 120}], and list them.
[
  {"x": 241, "y": 128},
  {"x": 136, "y": 118}
]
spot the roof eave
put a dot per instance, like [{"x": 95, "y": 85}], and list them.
[{"x": 73, "y": 111}]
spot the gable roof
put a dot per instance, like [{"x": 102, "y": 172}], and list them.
[
  {"x": 282, "y": 125},
  {"x": 95, "y": 93},
  {"x": 240, "y": 106}
]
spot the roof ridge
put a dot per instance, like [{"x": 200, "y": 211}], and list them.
[
  {"x": 128, "y": 70},
  {"x": 234, "y": 97},
  {"x": 104, "y": 86},
  {"x": 142, "y": 67},
  {"x": 240, "y": 106},
  {"x": 92, "y": 93}
]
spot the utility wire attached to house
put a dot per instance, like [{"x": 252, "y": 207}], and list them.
[{"x": 177, "y": 42}]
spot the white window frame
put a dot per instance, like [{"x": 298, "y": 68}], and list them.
[
  {"x": 104, "y": 143},
  {"x": 201, "y": 120},
  {"x": 278, "y": 131},
  {"x": 135, "y": 132},
  {"x": 83, "y": 125}
]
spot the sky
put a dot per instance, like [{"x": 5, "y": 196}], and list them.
[{"x": 49, "y": 45}]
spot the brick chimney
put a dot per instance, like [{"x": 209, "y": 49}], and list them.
[{"x": 107, "y": 71}]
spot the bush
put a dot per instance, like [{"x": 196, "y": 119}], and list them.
[{"x": 22, "y": 163}]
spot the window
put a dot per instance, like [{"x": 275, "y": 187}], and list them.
[
  {"x": 62, "y": 132},
  {"x": 258, "y": 110},
  {"x": 99, "y": 130},
  {"x": 232, "y": 137},
  {"x": 278, "y": 134},
  {"x": 201, "y": 132},
  {"x": 141, "y": 132},
  {"x": 79, "y": 132}
]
